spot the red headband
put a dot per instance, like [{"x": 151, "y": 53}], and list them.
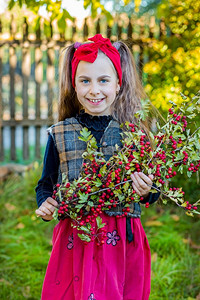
[{"x": 89, "y": 52}]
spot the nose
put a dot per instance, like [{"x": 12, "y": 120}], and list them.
[{"x": 94, "y": 88}]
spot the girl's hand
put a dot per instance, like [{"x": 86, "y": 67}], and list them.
[
  {"x": 142, "y": 183},
  {"x": 47, "y": 209}
]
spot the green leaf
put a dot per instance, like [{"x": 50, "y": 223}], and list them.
[
  {"x": 79, "y": 206},
  {"x": 151, "y": 135},
  {"x": 86, "y": 3},
  {"x": 158, "y": 125},
  {"x": 183, "y": 96},
  {"x": 180, "y": 169},
  {"x": 97, "y": 182},
  {"x": 59, "y": 195},
  {"x": 113, "y": 175},
  {"x": 99, "y": 221},
  {"x": 61, "y": 22},
  {"x": 85, "y": 135},
  {"x": 84, "y": 237},
  {"x": 55, "y": 214},
  {"x": 93, "y": 143},
  {"x": 11, "y": 4},
  {"x": 121, "y": 197},
  {"x": 192, "y": 116},
  {"x": 83, "y": 197},
  {"x": 67, "y": 15},
  {"x": 190, "y": 109},
  {"x": 85, "y": 229},
  {"x": 174, "y": 104},
  {"x": 126, "y": 186},
  {"x": 87, "y": 208},
  {"x": 103, "y": 170}
]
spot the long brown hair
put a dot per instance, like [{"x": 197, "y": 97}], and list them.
[
  {"x": 68, "y": 103},
  {"x": 128, "y": 100}
]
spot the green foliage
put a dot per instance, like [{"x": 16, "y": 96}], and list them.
[
  {"x": 174, "y": 60},
  {"x": 54, "y": 12},
  {"x": 96, "y": 8}
]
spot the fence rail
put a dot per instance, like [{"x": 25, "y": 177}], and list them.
[{"x": 29, "y": 69}]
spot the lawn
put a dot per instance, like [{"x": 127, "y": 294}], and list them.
[{"x": 25, "y": 245}]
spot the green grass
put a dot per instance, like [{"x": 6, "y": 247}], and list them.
[
  {"x": 175, "y": 261},
  {"x": 25, "y": 245},
  {"x": 19, "y": 155}
]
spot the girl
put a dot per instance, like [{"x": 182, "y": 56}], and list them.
[{"x": 99, "y": 89}]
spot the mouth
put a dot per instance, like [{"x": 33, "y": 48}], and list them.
[{"x": 95, "y": 101}]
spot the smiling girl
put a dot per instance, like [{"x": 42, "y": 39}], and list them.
[{"x": 99, "y": 89}]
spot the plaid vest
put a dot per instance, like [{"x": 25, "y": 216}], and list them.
[{"x": 65, "y": 136}]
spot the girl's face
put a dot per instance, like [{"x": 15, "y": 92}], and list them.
[{"x": 96, "y": 85}]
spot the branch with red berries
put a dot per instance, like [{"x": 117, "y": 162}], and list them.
[{"x": 104, "y": 185}]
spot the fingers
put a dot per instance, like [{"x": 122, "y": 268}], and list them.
[
  {"x": 52, "y": 201},
  {"x": 141, "y": 183},
  {"x": 151, "y": 176},
  {"x": 39, "y": 213},
  {"x": 137, "y": 190},
  {"x": 145, "y": 178},
  {"x": 47, "y": 208}
]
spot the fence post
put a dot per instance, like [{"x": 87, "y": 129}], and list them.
[
  {"x": 108, "y": 31},
  {"x": 119, "y": 31},
  {"x": 151, "y": 27},
  {"x": 73, "y": 30},
  {"x": 130, "y": 29},
  {"x": 141, "y": 46},
  {"x": 12, "y": 63},
  {"x": 85, "y": 29},
  {"x": 38, "y": 81},
  {"x": 12, "y": 27},
  {"x": 98, "y": 26},
  {"x": 26, "y": 65},
  {"x": 50, "y": 79}
]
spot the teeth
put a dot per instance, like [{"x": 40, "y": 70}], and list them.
[{"x": 95, "y": 101}]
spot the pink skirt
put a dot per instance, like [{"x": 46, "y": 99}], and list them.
[{"x": 117, "y": 270}]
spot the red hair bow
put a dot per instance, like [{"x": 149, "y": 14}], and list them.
[{"x": 88, "y": 52}]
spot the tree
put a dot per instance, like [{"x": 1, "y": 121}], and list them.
[
  {"x": 174, "y": 64},
  {"x": 55, "y": 11}
]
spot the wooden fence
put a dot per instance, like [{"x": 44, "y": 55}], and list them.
[{"x": 29, "y": 68}]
